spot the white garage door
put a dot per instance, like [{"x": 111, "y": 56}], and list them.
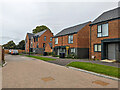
[{"x": 111, "y": 51}]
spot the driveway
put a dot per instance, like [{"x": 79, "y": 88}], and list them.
[{"x": 25, "y": 72}]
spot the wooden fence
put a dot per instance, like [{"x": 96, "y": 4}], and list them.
[{"x": 7, "y": 51}]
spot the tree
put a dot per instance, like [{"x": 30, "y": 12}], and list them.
[
  {"x": 10, "y": 45},
  {"x": 39, "y": 29},
  {"x": 21, "y": 45}
]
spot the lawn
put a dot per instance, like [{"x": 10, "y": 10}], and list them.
[
  {"x": 41, "y": 58},
  {"x": 102, "y": 69}
]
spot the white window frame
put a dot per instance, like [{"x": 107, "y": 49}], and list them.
[
  {"x": 45, "y": 38},
  {"x": 56, "y": 40},
  {"x": 70, "y": 39},
  {"x": 50, "y": 38},
  {"x": 97, "y": 47},
  {"x": 100, "y": 30},
  {"x": 72, "y": 50}
]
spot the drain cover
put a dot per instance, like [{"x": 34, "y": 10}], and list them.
[
  {"x": 100, "y": 83},
  {"x": 46, "y": 79}
]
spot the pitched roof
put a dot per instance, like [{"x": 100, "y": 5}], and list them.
[
  {"x": 30, "y": 35},
  {"x": 71, "y": 30},
  {"x": 40, "y": 33},
  {"x": 109, "y": 15}
]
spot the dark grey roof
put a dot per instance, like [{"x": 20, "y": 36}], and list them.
[
  {"x": 109, "y": 15},
  {"x": 30, "y": 35},
  {"x": 71, "y": 30},
  {"x": 40, "y": 33}
]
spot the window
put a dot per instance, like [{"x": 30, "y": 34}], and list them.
[
  {"x": 102, "y": 30},
  {"x": 50, "y": 38},
  {"x": 70, "y": 39},
  {"x": 43, "y": 45},
  {"x": 36, "y": 39},
  {"x": 97, "y": 48},
  {"x": 56, "y": 40},
  {"x": 44, "y": 38},
  {"x": 26, "y": 40},
  {"x": 31, "y": 44},
  {"x": 72, "y": 50}
]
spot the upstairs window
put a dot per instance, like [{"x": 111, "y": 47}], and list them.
[
  {"x": 26, "y": 40},
  {"x": 36, "y": 39},
  {"x": 50, "y": 38},
  {"x": 97, "y": 48},
  {"x": 70, "y": 39},
  {"x": 44, "y": 38},
  {"x": 56, "y": 40},
  {"x": 102, "y": 30}
]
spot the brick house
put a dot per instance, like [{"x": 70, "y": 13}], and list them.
[
  {"x": 40, "y": 42},
  {"x": 105, "y": 36},
  {"x": 28, "y": 41},
  {"x": 73, "y": 40}
]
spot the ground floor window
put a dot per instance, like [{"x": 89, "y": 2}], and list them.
[
  {"x": 72, "y": 50},
  {"x": 97, "y": 48}
]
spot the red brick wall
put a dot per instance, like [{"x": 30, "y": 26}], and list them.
[
  {"x": 48, "y": 34},
  {"x": 63, "y": 41},
  {"x": 80, "y": 40},
  {"x": 113, "y": 33},
  {"x": 83, "y": 37},
  {"x": 27, "y": 44},
  {"x": 48, "y": 48}
]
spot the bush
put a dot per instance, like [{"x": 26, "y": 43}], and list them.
[
  {"x": 49, "y": 53},
  {"x": 54, "y": 55},
  {"x": 28, "y": 53},
  {"x": 72, "y": 55}
]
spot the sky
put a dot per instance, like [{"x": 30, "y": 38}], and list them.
[{"x": 17, "y": 17}]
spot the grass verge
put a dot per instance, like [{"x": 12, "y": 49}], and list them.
[
  {"x": 102, "y": 69},
  {"x": 41, "y": 58}
]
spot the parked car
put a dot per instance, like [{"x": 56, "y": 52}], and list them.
[
  {"x": 10, "y": 51},
  {"x": 14, "y": 52}
]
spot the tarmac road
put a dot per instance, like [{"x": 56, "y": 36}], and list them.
[{"x": 25, "y": 72}]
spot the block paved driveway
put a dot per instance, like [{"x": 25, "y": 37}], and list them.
[{"x": 25, "y": 72}]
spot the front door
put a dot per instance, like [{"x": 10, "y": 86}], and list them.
[{"x": 112, "y": 51}]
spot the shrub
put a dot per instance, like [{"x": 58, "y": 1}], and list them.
[
  {"x": 49, "y": 53},
  {"x": 72, "y": 55}
]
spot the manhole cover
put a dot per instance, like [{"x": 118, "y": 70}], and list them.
[
  {"x": 46, "y": 79},
  {"x": 100, "y": 83}
]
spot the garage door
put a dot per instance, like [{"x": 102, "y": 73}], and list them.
[{"x": 111, "y": 51}]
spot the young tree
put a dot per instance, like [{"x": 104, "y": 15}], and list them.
[
  {"x": 39, "y": 29},
  {"x": 10, "y": 45},
  {"x": 21, "y": 45}
]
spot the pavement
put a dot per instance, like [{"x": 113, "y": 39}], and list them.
[
  {"x": 25, "y": 72},
  {"x": 64, "y": 62}
]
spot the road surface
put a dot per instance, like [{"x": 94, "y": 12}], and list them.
[{"x": 25, "y": 72}]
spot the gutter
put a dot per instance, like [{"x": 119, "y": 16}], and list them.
[{"x": 104, "y": 21}]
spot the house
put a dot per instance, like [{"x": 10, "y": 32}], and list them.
[
  {"x": 28, "y": 42},
  {"x": 40, "y": 42},
  {"x": 73, "y": 40},
  {"x": 105, "y": 36}
]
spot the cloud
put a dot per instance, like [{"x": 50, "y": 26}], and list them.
[{"x": 18, "y": 18}]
